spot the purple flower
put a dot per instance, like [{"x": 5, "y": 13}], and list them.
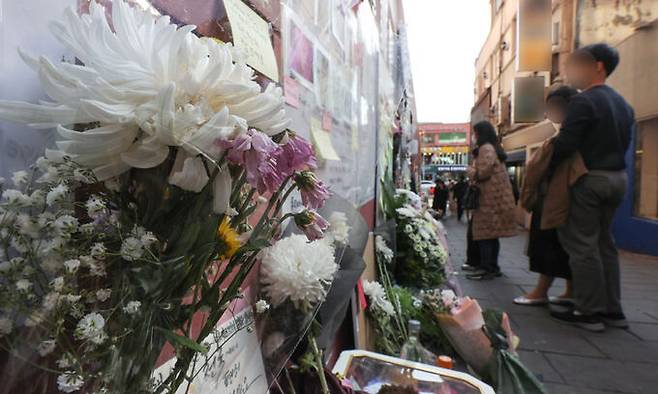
[
  {"x": 314, "y": 192},
  {"x": 258, "y": 154},
  {"x": 312, "y": 224},
  {"x": 296, "y": 154}
]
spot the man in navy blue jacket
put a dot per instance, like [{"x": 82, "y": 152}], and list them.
[{"x": 599, "y": 124}]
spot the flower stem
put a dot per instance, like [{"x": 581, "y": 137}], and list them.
[{"x": 320, "y": 365}]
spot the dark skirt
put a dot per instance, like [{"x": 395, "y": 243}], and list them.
[{"x": 545, "y": 251}]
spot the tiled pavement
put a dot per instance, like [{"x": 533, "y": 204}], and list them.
[{"x": 567, "y": 359}]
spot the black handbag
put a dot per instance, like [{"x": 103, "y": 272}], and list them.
[{"x": 472, "y": 198}]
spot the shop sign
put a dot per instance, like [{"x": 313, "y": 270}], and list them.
[
  {"x": 528, "y": 99},
  {"x": 534, "y": 35}
]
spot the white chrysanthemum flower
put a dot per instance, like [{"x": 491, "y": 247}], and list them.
[
  {"x": 6, "y": 326},
  {"x": 69, "y": 382},
  {"x": 148, "y": 239},
  {"x": 338, "y": 227},
  {"x": 88, "y": 228},
  {"x": 42, "y": 163},
  {"x": 66, "y": 224},
  {"x": 132, "y": 307},
  {"x": 57, "y": 284},
  {"x": 20, "y": 178},
  {"x": 46, "y": 347},
  {"x": 407, "y": 211},
  {"x": 72, "y": 265},
  {"x": 383, "y": 249},
  {"x": 132, "y": 249},
  {"x": 377, "y": 296},
  {"x": 103, "y": 295},
  {"x": 57, "y": 194},
  {"x": 95, "y": 207},
  {"x": 65, "y": 361},
  {"x": 172, "y": 88},
  {"x": 262, "y": 306},
  {"x": 16, "y": 198},
  {"x": 38, "y": 198},
  {"x": 91, "y": 327},
  {"x": 296, "y": 270},
  {"x": 26, "y": 225},
  {"x": 23, "y": 285},
  {"x": 98, "y": 250}
]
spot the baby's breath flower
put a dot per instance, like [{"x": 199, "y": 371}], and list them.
[{"x": 56, "y": 194}]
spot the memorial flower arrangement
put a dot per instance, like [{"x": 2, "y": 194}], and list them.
[
  {"x": 143, "y": 216},
  {"x": 295, "y": 276},
  {"x": 421, "y": 259}
]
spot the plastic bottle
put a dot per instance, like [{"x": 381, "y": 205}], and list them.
[{"x": 412, "y": 349}]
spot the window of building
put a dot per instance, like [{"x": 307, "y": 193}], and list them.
[
  {"x": 428, "y": 138},
  {"x": 646, "y": 170},
  {"x": 556, "y": 33}
]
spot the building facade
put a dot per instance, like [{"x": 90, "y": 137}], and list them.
[
  {"x": 444, "y": 148},
  {"x": 502, "y": 94}
]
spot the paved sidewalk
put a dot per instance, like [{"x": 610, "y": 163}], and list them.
[{"x": 567, "y": 359}]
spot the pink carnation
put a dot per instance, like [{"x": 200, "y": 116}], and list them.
[{"x": 258, "y": 154}]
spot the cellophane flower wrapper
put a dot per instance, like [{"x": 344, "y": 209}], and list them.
[
  {"x": 137, "y": 231},
  {"x": 291, "y": 313}
]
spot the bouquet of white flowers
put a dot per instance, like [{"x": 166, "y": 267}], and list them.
[{"x": 143, "y": 217}]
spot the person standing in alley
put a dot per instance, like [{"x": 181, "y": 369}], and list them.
[
  {"x": 458, "y": 192},
  {"x": 599, "y": 125},
  {"x": 440, "y": 200},
  {"x": 494, "y": 216},
  {"x": 545, "y": 253}
]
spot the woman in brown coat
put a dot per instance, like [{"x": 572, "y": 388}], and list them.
[{"x": 494, "y": 218}]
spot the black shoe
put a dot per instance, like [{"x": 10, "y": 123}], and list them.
[
  {"x": 481, "y": 275},
  {"x": 616, "y": 320},
  {"x": 468, "y": 267},
  {"x": 588, "y": 322}
]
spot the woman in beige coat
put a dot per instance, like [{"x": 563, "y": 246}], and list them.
[{"x": 494, "y": 218}]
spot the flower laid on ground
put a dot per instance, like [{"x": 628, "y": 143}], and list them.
[
  {"x": 132, "y": 307},
  {"x": 314, "y": 192},
  {"x": 377, "y": 297},
  {"x": 297, "y": 270},
  {"x": 338, "y": 227},
  {"x": 441, "y": 300},
  {"x": 312, "y": 224}
]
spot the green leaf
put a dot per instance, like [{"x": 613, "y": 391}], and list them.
[{"x": 181, "y": 340}]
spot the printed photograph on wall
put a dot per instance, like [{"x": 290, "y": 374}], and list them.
[
  {"x": 299, "y": 54},
  {"x": 321, "y": 78}
]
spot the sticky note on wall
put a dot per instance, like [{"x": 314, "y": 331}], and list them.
[{"x": 321, "y": 138}]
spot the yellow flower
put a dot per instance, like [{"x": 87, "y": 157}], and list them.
[{"x": 228, "y": 238}]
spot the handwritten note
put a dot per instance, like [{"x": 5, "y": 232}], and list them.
[
  {"x": 324, "y": 148},
  {"x": 252, "y": 35},
  {"x": 233, "y": 363}
]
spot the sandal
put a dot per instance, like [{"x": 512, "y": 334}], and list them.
[{"x": 523, "y": 300}]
